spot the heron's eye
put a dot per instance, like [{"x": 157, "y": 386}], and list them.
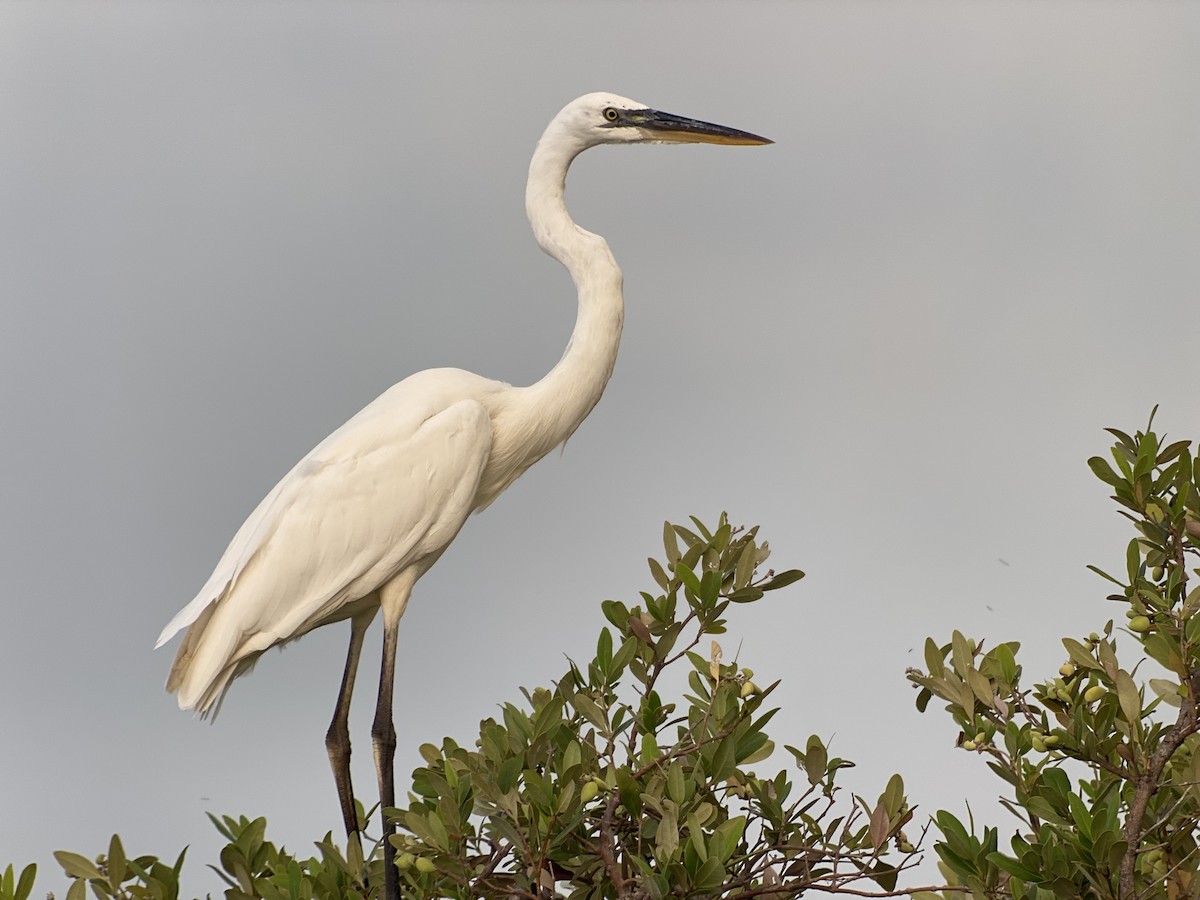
[{"x": 611, "y": 114}]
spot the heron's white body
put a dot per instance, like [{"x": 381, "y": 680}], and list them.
[
  {"x": 361, "y": 518},
  {"x": 381, "y": 498}
]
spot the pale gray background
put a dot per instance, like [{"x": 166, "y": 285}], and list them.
[{"x": 892, "y": 339}]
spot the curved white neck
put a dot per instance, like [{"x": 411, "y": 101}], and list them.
[{"x": 564, "y": 397}]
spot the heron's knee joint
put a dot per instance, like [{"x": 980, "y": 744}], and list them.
[{"x": 384, "y": 735}]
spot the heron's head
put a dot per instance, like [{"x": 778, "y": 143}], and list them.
[{"x": 609, "y": 119}]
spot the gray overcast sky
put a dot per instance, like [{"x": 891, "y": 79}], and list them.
[{"x": 892, "y": 339}]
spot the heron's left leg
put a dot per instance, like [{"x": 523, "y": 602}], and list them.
[
  {"x": 393, "y": 598},
  {"x": 337, "y": 739}
]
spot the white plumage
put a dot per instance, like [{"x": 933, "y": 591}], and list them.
[{"x": 353, "y": 526}]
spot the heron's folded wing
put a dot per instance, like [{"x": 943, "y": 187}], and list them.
[{"x": 338, "y": 529}]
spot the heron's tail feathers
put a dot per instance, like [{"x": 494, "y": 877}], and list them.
[
  {"x": 203, "y": 687},
  {"x": 202, "y": 673}
]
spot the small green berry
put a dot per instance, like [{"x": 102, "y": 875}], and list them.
[
  {"x": 1094, "y": 693},
  {"x": 405, "y": 861},
  {"x": 749, "y": 689},
  {"x": 1140, "y": 624},
  {"x": 588, "y": 792},
  {"x": 968, "y": 745},
  {"x": 1066, "y": 670},
  {"x": 425, "y": 865}
]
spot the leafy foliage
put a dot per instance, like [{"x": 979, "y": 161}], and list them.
[
  {"x": 603, "y": 787},
  {"x": 607, "y": 785},
  {"x": 633, "y": 775},
  {"x": 1101, "y": 765},
  {"x": 250, "y": 865}
]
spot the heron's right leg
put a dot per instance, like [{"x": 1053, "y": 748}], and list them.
[
  {"x": 393, "y": 598},
  {"x": 337, "y": 739}
]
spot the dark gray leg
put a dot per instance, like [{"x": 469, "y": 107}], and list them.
[
  {"x": 393, "y": 598},
  {"x": 383, "y": 736},
  {"x": 337, "y": 738}
]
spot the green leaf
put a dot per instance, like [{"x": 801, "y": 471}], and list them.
[
  {"x": 77, "y": 890},
  {"x": 25, "y": 882},
  {"x": 649, "y": 752},
  {"x": 616, "y": 612},
  {"x": 782, "y": 579},
  {"x": 1079, "y": 654},
  {"x": 981, "y": 687},
  {"x": 1133, "y": 560},
  {"x": 961, "y": 655},
  {"x": 77, "y": 866},
  {"x": 604, "y": 649},
  {"x": 747, "y": 561},
  {"x": 724, "y": 760},
  {"x": 630, "y": 792},
  {"x": 116, "y": 862},
  {"x": 666, "y": 838},
  {"x": 1014, "y": 868},
  {"x": 670, "y": 543},
  {"x": 354, "y": 853},
  {"x": 572, "y": 757},
  {"x": 1105, "y": 575},
  {"x": 591, "y": 711},
  {"x": 1127, "y": 694},
  {"x": 816, "y": 760},
  {"x": 656, "y": 572},
  {"x": 675, "y": 781},
  {"x": 1167, "y": 691},
  {"x": 1081, "y": 814},
  {"x": 1105, "y": 472},
  {"x": 724, "y": 839},
  {"x": 1007, "y": 660},
  {"x": 657, "y": 886},
  {"x": 935, "y": 659},
  {"x": 710, "y": 876},
  {"x": 696, "y": 837},
  {"x": 1126, "y": 441},
  {"x": 745, "y": 595},
  {"x": 760, "y": 748},
  {"x": 688, "y": 578},
  {"x": 510, "y": 770},
  {"x": 893, "y": 795},
  {"x": 624, "y": 656},
  {"x": 1171, "y": 451}
]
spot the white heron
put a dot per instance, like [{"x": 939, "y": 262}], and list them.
[{"x": 363, "y": 516}]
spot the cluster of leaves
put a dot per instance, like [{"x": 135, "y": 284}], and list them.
[
  {"x": 17, "y": 887},
  {"x": 631, "y": 777},
  {"x": 1102, "y": 765},
  {"x": 602, "y": 787},
  {"x": 250, "y": 865},
  {"x": 114, "y": 876}
]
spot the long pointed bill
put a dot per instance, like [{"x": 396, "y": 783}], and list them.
[{"x": 663, "y": 126}]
